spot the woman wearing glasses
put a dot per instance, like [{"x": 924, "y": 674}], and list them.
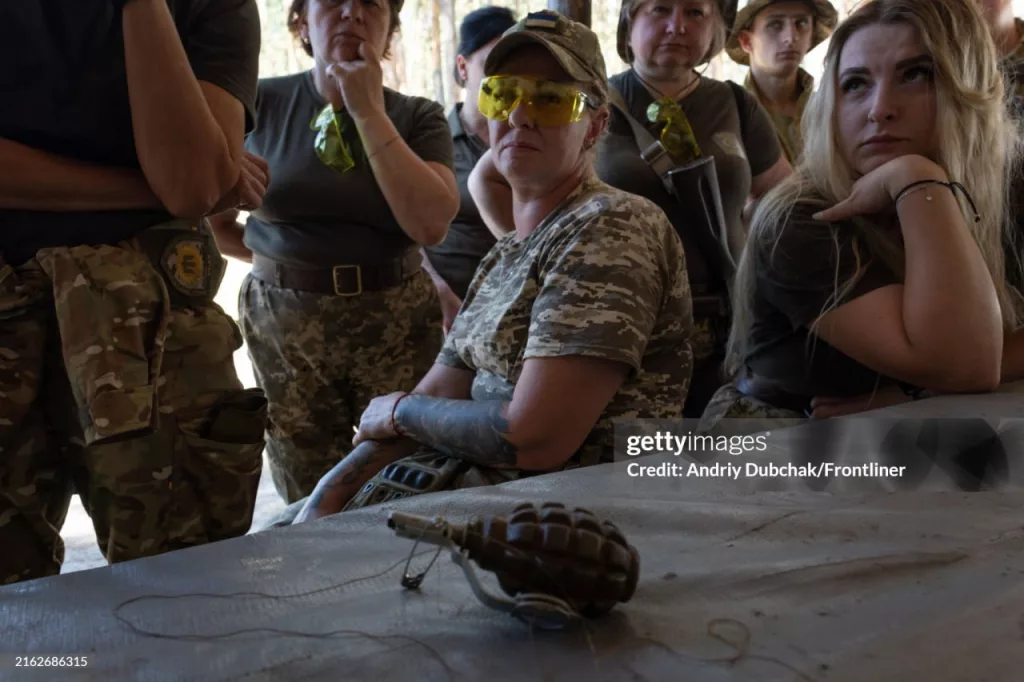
[
  {"x": 665, "y": 42},
  {"x": 337, "y": 308},
  {"x": 579, "y": 316}
]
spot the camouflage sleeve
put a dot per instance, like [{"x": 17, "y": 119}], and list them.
[
  {"x": 600, "y": 290},
  {"x": 449, "y": 355}
]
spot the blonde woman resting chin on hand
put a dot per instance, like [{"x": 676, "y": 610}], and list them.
[{"x": 876, "y": 272}]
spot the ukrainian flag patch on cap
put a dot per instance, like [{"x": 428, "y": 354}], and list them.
[{"x": 542, "y": 19}]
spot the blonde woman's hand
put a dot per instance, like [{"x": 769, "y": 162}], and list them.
[{"x": 876, "y": 191}]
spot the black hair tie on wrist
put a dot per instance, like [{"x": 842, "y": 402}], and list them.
[{"x": 952, "y": 186}]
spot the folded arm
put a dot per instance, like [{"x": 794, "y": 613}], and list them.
[
  {"x": 228, "y": 233},
  {"x": 188, "y": 133},
  {"x": 941, "y": 329},
  {"x": 555, "y": 405},
  {"x": 34, "y": 180},
  {"x": 492, "y": 195}
]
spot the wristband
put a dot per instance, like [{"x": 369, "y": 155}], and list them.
[
  {"x": 953, "y": 187},
  {"x": 394, "y": 408}
]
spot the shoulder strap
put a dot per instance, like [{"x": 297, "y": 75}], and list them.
[
  {"x": 741, "y": 109},
  {"x": 654, "y": 154},
  {"x": 651, "y": 150},
  {"x": 643, "y": 138}
]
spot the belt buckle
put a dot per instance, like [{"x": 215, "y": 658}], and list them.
[{"x": 359, "y": 280}]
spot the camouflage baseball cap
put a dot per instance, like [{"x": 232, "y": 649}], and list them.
[{"x": 574, "y": 46}]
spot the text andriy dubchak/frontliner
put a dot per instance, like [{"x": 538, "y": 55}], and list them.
[{"x": 754, "y": 470}]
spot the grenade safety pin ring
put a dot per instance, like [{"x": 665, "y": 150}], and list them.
[{"x": 555, "y": 565}]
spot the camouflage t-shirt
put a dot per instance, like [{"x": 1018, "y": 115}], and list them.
[{"x": 603, "y": 276}]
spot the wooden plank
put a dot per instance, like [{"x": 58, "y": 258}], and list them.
[{"x": 578, "y": 10}]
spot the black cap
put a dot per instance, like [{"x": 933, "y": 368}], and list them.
[{"x": 483, "y": 25}]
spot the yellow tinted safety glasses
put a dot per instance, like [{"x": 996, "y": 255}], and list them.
[
  {"x": 329, "y": 143},
  {"x": 676, "y": 136},
  {"x": 547, "y": 103}
]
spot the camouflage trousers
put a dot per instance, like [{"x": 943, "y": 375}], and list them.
[
  {"x": 320, "y": 360},
  {"x": 731, "y": 403},
  {"x": 108, "y": 390}
]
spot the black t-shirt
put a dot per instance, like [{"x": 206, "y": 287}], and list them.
[
  {"x": 740, "y": 152},
  {"x": 311, "y": 214},
  {"x": 468, "y": 240},
  {"x": 796, "y": 280},
  {"x": 63, "y": 90}
]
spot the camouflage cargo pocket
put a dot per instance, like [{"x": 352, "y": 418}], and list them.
[
  {"x": 198, "y": 365},
  {"x": 112, "y": 314},
  {"x": 221, "y": 461}
]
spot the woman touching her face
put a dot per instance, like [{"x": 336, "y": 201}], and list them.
[{"x": 878, "y": 267}]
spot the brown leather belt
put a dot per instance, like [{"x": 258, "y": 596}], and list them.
[{"x": 339, "y": 280}]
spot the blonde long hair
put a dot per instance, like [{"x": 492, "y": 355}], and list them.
[{"x": 980, "y": 148}]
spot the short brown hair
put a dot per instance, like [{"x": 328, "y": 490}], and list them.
[{"x": 298, "y": 10}]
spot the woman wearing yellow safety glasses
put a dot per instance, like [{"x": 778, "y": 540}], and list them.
[
  {"x": 665, "y": 42},
  {"x": 579, "y": 316},
  {"x": 337, "y": 308}
]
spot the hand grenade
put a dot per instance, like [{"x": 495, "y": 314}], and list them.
[{"x": 555, "y": 564}]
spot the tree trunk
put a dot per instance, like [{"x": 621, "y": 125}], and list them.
[
  {"x": 436, "y": 66},
  {"x": 451, "y": 44},
  {"x": 579, "y": 10}
]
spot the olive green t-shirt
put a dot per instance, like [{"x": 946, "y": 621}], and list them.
[
  {"x": 795, "y": 282},
  {"x": 603, "y": 276},
  {"x": 313, "y": 215},
  {"x": 739, "y": 157}
]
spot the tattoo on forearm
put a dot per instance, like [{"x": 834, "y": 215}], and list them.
[
  {"x": 350, "y": 474},
  {"x": 474, "y": 431}
]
